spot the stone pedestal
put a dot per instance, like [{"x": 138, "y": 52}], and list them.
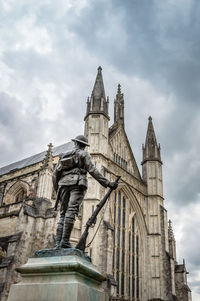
[{"x": 59, "y": 278}]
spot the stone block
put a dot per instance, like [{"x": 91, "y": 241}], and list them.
[{"x": 60, "y": 278}]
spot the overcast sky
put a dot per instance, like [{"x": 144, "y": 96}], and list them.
[{"x": 49, "y": 54}]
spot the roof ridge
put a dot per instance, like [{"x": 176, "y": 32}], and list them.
[{"x": 34, "y": 159}]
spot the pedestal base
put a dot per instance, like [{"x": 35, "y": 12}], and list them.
[{"x": 60, "y": 278}]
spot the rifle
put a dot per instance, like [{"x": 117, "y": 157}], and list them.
[
  {"x": 92, "y": 220},
  {"x": 57, "y": 198}
]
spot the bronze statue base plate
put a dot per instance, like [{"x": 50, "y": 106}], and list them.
[{"x": 61, "y": 252}]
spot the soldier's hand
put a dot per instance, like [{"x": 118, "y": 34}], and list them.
[{"x": 113, "y": 185}]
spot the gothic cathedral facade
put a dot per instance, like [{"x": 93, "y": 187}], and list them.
[{"x": 132, "y": 242}]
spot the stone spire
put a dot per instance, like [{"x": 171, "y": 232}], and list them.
[
  {"x": 119, "y": 107},
  {"x": 48, "y": 160},
  {"x": 98, "y": 103},
  {"x": 45, "y": 184},
  {"x": 151, "y": 150},
  {"x": 170, "y": 231},
  {"x": 172, "y": 242}
]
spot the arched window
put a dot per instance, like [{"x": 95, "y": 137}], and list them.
[
  {"x": 20, "y": 196},
  {"x": 133, "y": 261},
  {"x": 126, "y": 249},
  {"x": 17, "y": 192}
]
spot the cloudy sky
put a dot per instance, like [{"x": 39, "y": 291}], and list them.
[{"x": 49, "y": 54}]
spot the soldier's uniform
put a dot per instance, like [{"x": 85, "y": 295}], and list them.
[{"x": 70, "y": 176}]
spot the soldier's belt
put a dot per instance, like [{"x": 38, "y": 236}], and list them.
[{"x": 69, "y": 180}]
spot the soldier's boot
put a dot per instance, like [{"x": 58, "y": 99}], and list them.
[
  {"x": 67, "y": 229},
  {"x": 59, "y": 232}
]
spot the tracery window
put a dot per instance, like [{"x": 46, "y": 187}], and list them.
[
  {"x": 121, "y": 162},
  {"x": 21, "y": 194},
  {"x": 126, "y": 258}
]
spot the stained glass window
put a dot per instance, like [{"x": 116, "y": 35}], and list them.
[
  {"x": 137, "y": 267},
  {"x": 118, "y": 259},
  {"x": 114, "y": 232},
  {"x": 126, "y": 249},
  {"x": 133, "y": 287},
  {"x": 122, "y": 284},
  {"x": 20, "y": 196},
  {"x": 117, "y": 279}
]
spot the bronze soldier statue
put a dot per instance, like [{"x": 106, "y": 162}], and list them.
[{"x": 70, "y": 180}]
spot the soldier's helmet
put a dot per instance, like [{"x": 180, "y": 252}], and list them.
[{"x": 81, "y": 139}]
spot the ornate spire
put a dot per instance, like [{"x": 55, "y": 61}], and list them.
[
  {"x": 172, "y": 242},
  {"x": 119, "y": 89},
  {"x": 151, "y": 150},
  {"x": 48, "y": 160},
  {"x": 98, "y": 103},
  {"x": 119, "y": 106},
  {"x": 170, "y": 231},
  {"x": 98, "y": 91}
]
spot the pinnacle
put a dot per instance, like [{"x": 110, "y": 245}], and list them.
[
  {"x": 119, "y": 95},
  {"x": 98, "y": 90},
  {"x": 150, "y": 132},
  {"x": 50, "y": 145},
  {"x": 98, "y": 102},
  {"x": 119, "y": 89},
  {"x": 171, "y": 233},
  {"x": 119, "y": 107},
  {"x": 48, "y": 160},
  {"x": 151, "y": 150}
]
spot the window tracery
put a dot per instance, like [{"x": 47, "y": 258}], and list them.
[
  {"x": 20, "y": 196},
  {"x": 121, "y": 162},
  {"x": 17, "y": 192},
  {"x": 126, "y": 259}
]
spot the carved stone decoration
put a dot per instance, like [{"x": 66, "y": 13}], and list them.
[
  {"x": 5, "y": 262},
  {"x": 33, "y": 188},
  {"x": 17, "y": 192},
  {"x": 11, "y": 238},
  {"x": 40, "y": 209},
  {"x": 2, "y": 253}
]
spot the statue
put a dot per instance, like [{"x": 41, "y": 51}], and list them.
[{"x": 70, "y": 182}]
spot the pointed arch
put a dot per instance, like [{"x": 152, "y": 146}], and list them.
[
  {"x": 129, "y": 241},
  {"x": 17, "y": 192},
  {"x": 137, "y": 210}
]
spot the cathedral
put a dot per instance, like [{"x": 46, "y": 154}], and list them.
[{"x": 132, "y": 242}]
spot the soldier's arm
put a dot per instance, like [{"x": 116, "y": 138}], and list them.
[
  {"x": 91, "y": 168},
  {"x": 56, "y": 175}
]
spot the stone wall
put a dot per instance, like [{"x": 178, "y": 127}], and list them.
[{"x": 33, "y": 222}]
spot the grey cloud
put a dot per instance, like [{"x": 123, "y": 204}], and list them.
[
  {"x": 162, "y": 44},
  {"x": 192, "y": 253},
  {"x": 155, "y": 41},
  {"x": 151, "y": 41},
  {"x": 16, "y": 127},
  {"x": 24, "y": 132},
  {"x": 22, "y": 62},
  {"x": 195, "y": 285}
]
